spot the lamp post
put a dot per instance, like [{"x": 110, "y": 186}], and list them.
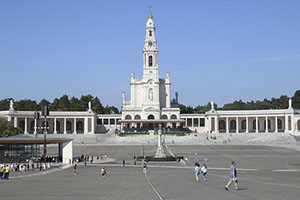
[
  {"x": 45, "y": 113},
  {"x": 36, "y": 118}
]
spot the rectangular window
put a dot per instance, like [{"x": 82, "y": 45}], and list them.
[
  {"x": 196, "y": 120},
  {"x": 189, "y": 121},
  {"x": 99, "y": 121},
  {"x": 112, "y": 121},
  {"x": 202, "y": 122},
  {"x": 105, "y": 121}
]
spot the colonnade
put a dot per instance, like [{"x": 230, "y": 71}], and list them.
[{"x": 56, "y": 125}]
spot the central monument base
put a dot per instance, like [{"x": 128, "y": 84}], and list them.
[{"x": 160, "y": 151}]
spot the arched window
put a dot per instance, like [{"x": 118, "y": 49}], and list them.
[
  {"x": 279, "y": 123},
  {"x": 150, "y": 61},
  {"x": 233, "y": 125},
  {"x": 244, "y": 124},
  {"x": 164, "y": 117},
  {"x": 222, "y": 125},
  {"x": 173, "y": 117},
  {"x": 127, "y": 117},
  {"x": 150, "y": 33},
  {"x": 150, "y": 116},
  {"x": 137, "y": 117}
]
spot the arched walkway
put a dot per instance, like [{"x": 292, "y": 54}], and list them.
[
  {"x": 232, "y": 125},
  {"x": 222, "y": 126},
  {"x": 22, "y": 125},
  {"x": 79, "y": 127},
  {"x": 69, "y": 127}
]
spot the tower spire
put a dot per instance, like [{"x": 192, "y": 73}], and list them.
[{"x": 150, "y": 14}]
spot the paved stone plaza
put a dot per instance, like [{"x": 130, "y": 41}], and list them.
[{"x": 264, "y": 173}]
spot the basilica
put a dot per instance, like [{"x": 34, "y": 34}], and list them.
[{"x": 150, "y": 105}]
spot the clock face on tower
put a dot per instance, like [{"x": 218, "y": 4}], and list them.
[{"x": 150, "y": 44}]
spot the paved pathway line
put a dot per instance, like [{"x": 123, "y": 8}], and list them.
[{"x": 155, "y": 190}]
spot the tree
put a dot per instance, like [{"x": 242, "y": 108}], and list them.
[
  {"x": 7, "y": 129},
  {"x": 185, "y": 109},
  {"x": 62, "y": 104},
  {"x": 296, "y": 100},
  {"x": 97, "y": 106},
  {"x": 43, "y": 103},
  {"x": 4, "y": 104},
  {"x": 26, "y": 105}
]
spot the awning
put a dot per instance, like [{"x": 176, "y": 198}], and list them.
[{"x": 150, "y": 121}]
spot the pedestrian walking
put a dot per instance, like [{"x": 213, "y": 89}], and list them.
[
  {"x": 103, "y": 172},
  {"x": 197, "y": 171},
  {"x": 75, "y": 171},
  {"x": 123, "y": 163},
  {"x": 232, "y": 176},
  {"x": 204, "y": 171},
  {"x": 145, "y": 168}
]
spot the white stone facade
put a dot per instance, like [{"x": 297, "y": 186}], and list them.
[{"x": 150, "y": 96}]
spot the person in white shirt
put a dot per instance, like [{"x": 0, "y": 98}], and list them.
[{"x": 204, "y": 171}]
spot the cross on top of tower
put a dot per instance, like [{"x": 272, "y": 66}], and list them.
[{"x": 150, "y": 15}]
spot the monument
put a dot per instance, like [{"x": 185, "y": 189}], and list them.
[{"x": 160, "y": 149}]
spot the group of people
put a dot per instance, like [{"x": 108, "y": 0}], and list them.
[
  {"x": 4, "y": 172},
  {"x": 199, "y": 170},
  {"x": 232, "y": 176}
]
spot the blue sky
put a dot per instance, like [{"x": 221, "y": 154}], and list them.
[{"x": 215, "y": 50}]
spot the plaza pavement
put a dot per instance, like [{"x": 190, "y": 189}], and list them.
[{"x": 264, "y": 173}]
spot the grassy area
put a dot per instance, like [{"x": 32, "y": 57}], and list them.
[{"x": 151, "y": 158}]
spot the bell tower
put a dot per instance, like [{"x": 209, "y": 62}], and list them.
[{"x": 150, "y": 51}]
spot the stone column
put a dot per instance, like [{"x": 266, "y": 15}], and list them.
[
  {"x": 292, "y": 124},
  {"x": 54, "y": 128},
  {"x": 35, "y": 126},
  {"x": 256, "y": 124},
  {"x": 75, "y": 131},
  {"x": 286, "y": 124},
  {"x": 216, "y": 124},
  {"x": 93, "y": 125},
  {"x": 16, "y": 122},
  {"x": 237, "y": 124},
  {"x": 65, "y": 125},
  {"x": 276, "y": 125},
  {"x": 267, "y": 125},
  {"x": 247, "y": 125},
  {"x": 26, "y": 131},
  {"x": 186, "y": 122},
  {"x": 86, "y": 130},
  {"x": 227, "y": 125}
]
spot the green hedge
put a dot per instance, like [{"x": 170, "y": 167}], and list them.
[{"x": 151, "y": 158}]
